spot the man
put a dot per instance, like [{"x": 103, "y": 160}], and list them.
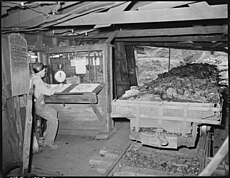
[{"x": 50, "y": 114}]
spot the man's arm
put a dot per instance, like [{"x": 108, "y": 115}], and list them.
[
  {"x": 42, "y": 88},
  {"x": 47, "y": 85}
]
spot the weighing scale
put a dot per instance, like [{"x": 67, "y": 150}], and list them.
[{"x": 60, "y": 75}]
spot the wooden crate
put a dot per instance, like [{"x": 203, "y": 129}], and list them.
[{"x": 178, "y": 119}]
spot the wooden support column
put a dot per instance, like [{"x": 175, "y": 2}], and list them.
[
  {"x": 105, "y": 97},
  {"x": 108, "y": 122},
  {"x": 27, "y": 135}
]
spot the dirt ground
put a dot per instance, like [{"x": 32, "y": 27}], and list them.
[{"x": 71, "y": 158}]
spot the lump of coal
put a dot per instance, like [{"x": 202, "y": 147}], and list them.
[{"x": 197, "y": 82}]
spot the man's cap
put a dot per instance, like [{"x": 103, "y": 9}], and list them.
[{"x": 38, "y": 67}]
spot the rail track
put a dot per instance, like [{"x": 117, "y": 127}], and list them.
[{"x": 141, "y": 160}]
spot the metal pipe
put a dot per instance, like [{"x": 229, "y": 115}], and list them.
[{"x": 169, "y": 59}]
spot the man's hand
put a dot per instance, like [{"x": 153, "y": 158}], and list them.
[{"x": 48, "y": 86}]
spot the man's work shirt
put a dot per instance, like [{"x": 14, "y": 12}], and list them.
[{"x": 40, "y": 89}]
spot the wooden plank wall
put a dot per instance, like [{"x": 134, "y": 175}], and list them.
[
  {"x": 124, "y": 68},
  {"x": 121, "y": 75},
  {"x": 131, "y": 64},
  {"x": 13, "y": 113},
  {"x": 77, "y": 119}
]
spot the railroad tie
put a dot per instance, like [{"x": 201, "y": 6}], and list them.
[{"x": 103, "y": 162}]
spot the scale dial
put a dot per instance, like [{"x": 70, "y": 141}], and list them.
[{"x": 60, "y": 76}]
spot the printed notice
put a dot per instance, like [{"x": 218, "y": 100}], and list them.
[
  {"x": 80, "y": 65},
  {"x": 72, "y": 62}
]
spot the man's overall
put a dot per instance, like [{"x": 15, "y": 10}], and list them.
[{"x": 45, "y": 111}]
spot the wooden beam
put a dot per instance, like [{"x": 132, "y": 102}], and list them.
[
  {"x": 174, "y": 44},
  {"x": 35, "y": 19},
  {"x": 177, "y": 39},
  {"x": 196, "y": 30},
  {"x": 97, "y": 112},
  {"x": 4, "y": 11},
  {"x": 74, "y": 49},
  {"x": 195, "y": 46},
  {"x": 201, "y": 7},
  {"x": 173, "y": 31},
  {"x": 163, "y": 4},
  {"x": 67, "y": 6},
  {"x": 151, "y": 16},
  {"x": 23, "y": 17},
  {"x": 75, "y": 13},
  {"x": 114, "y": 11},
  {"x": 111, "y": 38},
  {"x": 82, "y": 6}
]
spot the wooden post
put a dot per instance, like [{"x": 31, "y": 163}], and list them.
[
  {"x": 107, "y": 67},
  {"x": 110, "y": 85},
  {"x": 27, "y": 134},
  {"x": 18, "y": 120}
]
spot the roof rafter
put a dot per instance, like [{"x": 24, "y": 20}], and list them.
[
  {"x": 196, "y": 30},
  {"x": 150, "y": 16},
  {"x": 178, "y": 38}
]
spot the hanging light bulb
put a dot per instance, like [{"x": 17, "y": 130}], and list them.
[{"x": 22, "y": 4}]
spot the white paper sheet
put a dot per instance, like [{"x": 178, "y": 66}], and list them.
[
  {"x": 97, "y": 61},
  {"x": 72, "y": 62},
  {"x": 58, "y": 88},
  {"x": 83, "y": 87},
  {"x": 80, "y": 66}
]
